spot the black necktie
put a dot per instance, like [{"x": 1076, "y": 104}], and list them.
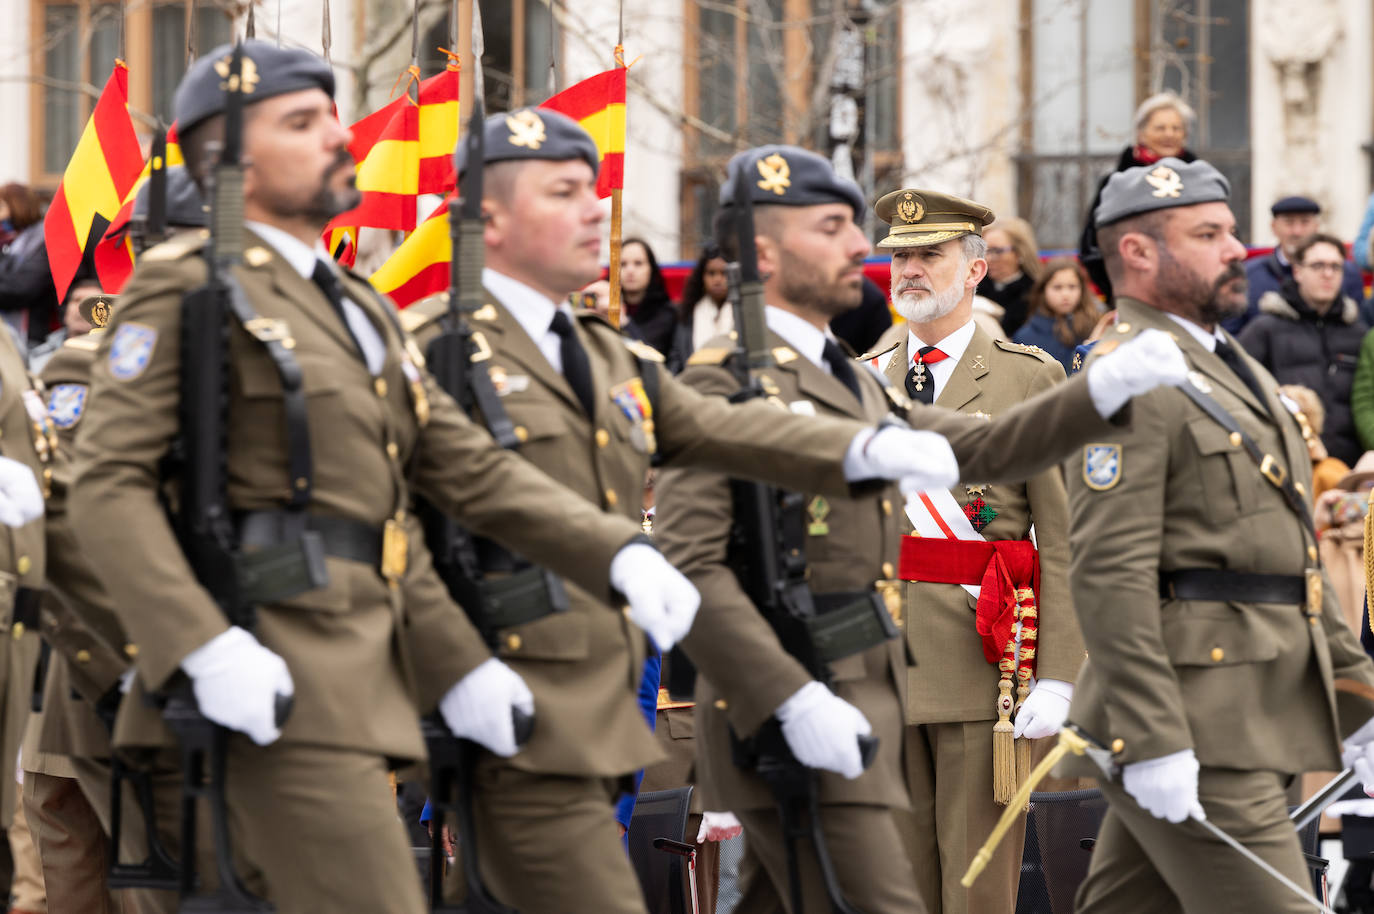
[
  {"x": 329, "y": 285},
  {"x": 1237, "y": 365},
  {"x": 576, "y": 367},
  {"x": 920, "y": 383},
  {"x": 840, "y": 367}
]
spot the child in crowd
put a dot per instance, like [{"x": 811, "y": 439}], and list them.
[{"x": 1063, "y": 311}]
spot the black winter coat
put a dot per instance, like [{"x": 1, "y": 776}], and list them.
[{"x": 1320, "y": 352}]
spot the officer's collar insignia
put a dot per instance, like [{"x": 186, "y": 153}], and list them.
[
  {"x": 775, "y": 172},
  {"x": 231, "y": 82},
  {"x": 978, "y": 364},
  {"x": 911, "y": 208},
  {"x": 784, "y": 354},
  {"x": 131, "y": 350},
  {"x": 1101, "y": 466},
  {"x": 485, "y": 313},
  {"x": 65, "y": 404},
  {"x": 526, "y": 129},
  {"x": 1165, "y": 181},
  {"x": 1199, "y": 381}
]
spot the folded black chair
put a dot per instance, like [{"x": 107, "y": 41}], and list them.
[
  {"x": 1061, "y": 829},
  {"x": 660, "y": 814}
]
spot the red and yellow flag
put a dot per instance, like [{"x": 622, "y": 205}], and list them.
[
  {"x": 114, "y": 253},
  {"x": 100, "y": 174},
  {"x": 419, "y": 267},
  {"x": 598, "y": 104}
]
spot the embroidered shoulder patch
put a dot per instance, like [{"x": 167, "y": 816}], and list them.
[
  {"x": 131, "y": 350},
  {"x": 1101, "y": 466},
  {"x": 65, "y": 404}
]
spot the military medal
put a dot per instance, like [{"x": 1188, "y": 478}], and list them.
[
  {"x": 978, "y": 512},
  {"x": 918, "y": 375},
  {"x": 634, "y": 402},
  {"x": 818, "y": 510}
]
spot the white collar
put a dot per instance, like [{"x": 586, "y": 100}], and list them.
[
  {"x": 805, "y": 337},
  {"x": 530, "y": 307},
  {"x": 952, "y": 345},
  {"x": 1207, "y": 340},
  {"x": 297, "y": 253}
]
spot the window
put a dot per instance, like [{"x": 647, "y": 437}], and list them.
[{"x": 517, "y": 36}]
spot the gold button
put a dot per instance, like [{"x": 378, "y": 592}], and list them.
[
  {"x": 888, "y": 570},
  {"x": 1312, "y": 553},
  {"x": 513, "y": 642},
  {"x": 302, "y": 482},
  {"x": 1218, "y": 655},
  {"x": 887, "y": 508},
  {"x": 1123, "y": 327},
  {"x": 611, "y": 498},
  {"x": 1314, "y": 620},
  {"x": 83, "y": 656},
  {"x": 603, "y": 437},
  {"x": 131, "y": 650},
  {"x": 392, "y": 450},
  {"x": 1118, "y": 745},
  {"x": 379, "y": 385},
  {"x": 522, "y": 433},
  {"x": 17, "y": 631},
  {"x": 1235, "y": 439},
  {"x": 721, "y": 704},
  {"x": 24, "y": 564}
]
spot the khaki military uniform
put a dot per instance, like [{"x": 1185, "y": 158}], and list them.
[
  {"x": 358, "y": 655},
  {"x": 951, "y": 689},
  {"x": 1248, "y": 686},
  {"x": 584, "y": 665},
  {"x": 851, "y": 543}
]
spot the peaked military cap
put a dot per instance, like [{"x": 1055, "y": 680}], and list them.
[
  {"x": 267, "y": 71},
  {"x": 185, "y": 205},
  {"x": 1167, "y": 183},
  {"x": 533, "y": 133},
  {"x": 791, "y": 176},
  {"x": 924, "y": 217}
]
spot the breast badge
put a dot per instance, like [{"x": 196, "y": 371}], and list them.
[
  {"x": 130, "y": 350},
  {"x": 978, "y": 511},
  {"x": 1102, "y": 466},
  {"x": 634, "y": 402},
  {"x": 65, "y": 403},
  {"x": 817, "y": 512}
]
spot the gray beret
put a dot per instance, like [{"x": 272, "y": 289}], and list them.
[
  {"x": 185, "y": 205},
  {"x": 791, "y": 176},
  {"x": 267, "y": 71},
  {"x": 528, "y": 134},
  {"x": 1167, "y": 183}
]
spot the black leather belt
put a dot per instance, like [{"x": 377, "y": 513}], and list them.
[
  {"x": 28, "y": 602},
  {"x": 343, "y": 538},
  {"x": 1238, "y": 586}
]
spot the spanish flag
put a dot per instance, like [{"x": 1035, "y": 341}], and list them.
[
  {"x": 102, "y": 171},
  {"x": 419, "y": 267},
  {"x": 114, "y": 253},
  {"x": 598, "y": 104}
]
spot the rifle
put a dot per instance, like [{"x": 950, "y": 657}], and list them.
[
  {"x": 523, "y": 591},
  {"x": 767, "y": 554}
]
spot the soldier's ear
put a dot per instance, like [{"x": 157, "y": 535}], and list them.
[
  {"x": 494, "y": 223},
  {"x": 1139, "y": 252},
  {"x": 769, "y": 254},
  {"x": 976, "y": 271}
]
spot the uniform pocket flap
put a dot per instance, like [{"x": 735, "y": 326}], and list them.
[
  {"x": 538, "y": 420},
  {"x": 557, "y": 636},
  {"x": 681, "y": 723},
  {"x": 1209, "y": 640},
  {"x": 1209, "y": 437}
]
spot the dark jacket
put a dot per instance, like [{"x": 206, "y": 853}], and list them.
[
  {"x": 1268, "y": 274},
  {"x": 26, "y": 282},
  {"x": 1014, "y": 298},
  {"x": 1320, "y": 352},
  {"x": 1088, "y": 251},
  {"x": 652, "y": 322},
  {"x": 1039, "y": 331}
]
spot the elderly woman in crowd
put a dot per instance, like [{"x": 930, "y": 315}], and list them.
[{"x": 1013, "y": 267}]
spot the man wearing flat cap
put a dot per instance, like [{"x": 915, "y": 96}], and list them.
[
  {"x": 974, "y": 699},
  {"x": 331, "y": 423},
  {"x": 1219, "y": 665},
  {"x": 810, "y": 254}
]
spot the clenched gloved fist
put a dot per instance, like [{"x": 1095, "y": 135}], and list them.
[
  {"x": 478, "y": 707},
  {"x": 662, "y": 601},
  {"x": 1045, "y": 709},
  {"x": 823, "y": 730},
  {"x": 921, "y": 460},
  {"x": 236, "y": 682},
  {"x": 21, "y": 501},
  {"x": 1150, "y": 360},
  {"x": 1166, "y": 787}
]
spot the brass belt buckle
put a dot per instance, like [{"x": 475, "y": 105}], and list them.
[
  {"x": 891, "y": 592},
  {"x": 395, "y": 550},
  {"x": 1314, "y": 592},
  {"x": 1270, "y": 469}
]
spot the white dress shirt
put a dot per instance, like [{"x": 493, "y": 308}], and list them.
[
  {"x": 1208, "y": 340},
  {"x": 532, "y": 310},
  {"x": 952, "y": 346}
]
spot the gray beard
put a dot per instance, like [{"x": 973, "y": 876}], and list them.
[{"x": 932, "y": 307}]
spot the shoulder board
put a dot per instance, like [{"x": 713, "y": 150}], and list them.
[
  {"x": 177, "y": 247},
  {"x": 82, "y": 342},
  {"x": 423, "y": 312},
  {"x": 644, "y": 351},
  {"x": 714, "y": 355},
  {"x": 588, "y": 316},
  {"x": 875, "y": 353},
  {"x": 1024, "y": 349}
]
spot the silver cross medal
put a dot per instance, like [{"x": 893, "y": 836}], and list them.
[{"x": 919, "y": 375}]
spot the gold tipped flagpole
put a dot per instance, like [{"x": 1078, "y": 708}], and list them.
[{"x": 613, "y": 310}]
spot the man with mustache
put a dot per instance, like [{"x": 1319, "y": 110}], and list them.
[
  {"x": 961, "y": 754},
  {"x": 1219, "y": 665}
]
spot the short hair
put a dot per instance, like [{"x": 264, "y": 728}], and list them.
[
  {"x": 1022, "y": 241},
  {"x": 1151, "y": 224},
  {"x": 974, "y": 247},
  {"x": 767, "y": 222},
  {"x": 499, "y": 179},
  {"x": 1160, "y": 100},
  {"x": 195, "y": 144},
  {"x": 23, "y": 203},
  {"x": 1300, "y": 255}
]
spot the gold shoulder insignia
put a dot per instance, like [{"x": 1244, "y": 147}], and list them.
[
  {"x": 485, "y": 313},
  {"x": 588, "y": 316},
  {"x": 423, "y": 312},
  {"x": 784, "y": 354},
  {"x": 257, "y": 256},
  {"x": 1024, "y": 349},
  {"x": 177, "y": 247},
  {"x": 714, "y": 355},
  {"x": 84, "y": 343},
  {"x": 644, "y": 351}
]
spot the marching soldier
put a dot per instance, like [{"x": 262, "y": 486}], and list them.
[
  {"x": 970, "y": 674},
  {"x": 1219, "y": 666},
  {"x": 324, "y": 398},
  {"x": 811, "y": 250}
]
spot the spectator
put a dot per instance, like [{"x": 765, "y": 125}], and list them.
[
  {"x": 704, "y": 311},
  {"x": 1360, "y": 249},
  {"x": 1295, "y": 220},
  {"x": 27, "y": 297},
  {"x": 1161, "y": 129},
  {"x": 1308, "y": 333},
  {"x": 1013, "y": 267},
  {"x": 1063, "y": 311},
  {"x": 1339, "y": 517},
  {"x": 651, "y": 315},
  {"x": 19, "y": 209}
]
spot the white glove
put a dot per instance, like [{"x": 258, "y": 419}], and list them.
[
  {"x": 1358, "y": 753},
  {"x": 21, "y": 501},
  {"x": 921, "y": 460},
  {"x": 718, "y": 826},
  {"x": 1045, "y": 709},
  {"x": 236, "y": 683},
  {"x": 823, "y": 730},
  {"x": 1166, "y": 787},
  {"x": 478, "y": 707},
  {"x": 1136, "y": 367},
  {"x": 662, "y": 601}
]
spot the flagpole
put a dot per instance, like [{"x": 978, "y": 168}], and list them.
[
  {"x": 613, "y": 309},
  {"x": 326, "y": 34}
]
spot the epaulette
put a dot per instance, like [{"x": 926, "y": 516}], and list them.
[
  {"x": 644, "y": 351},
  {"x": 424, "y": 312},
  {"x": 713, "y": 355},
  {"x": 1025, "y": 349},
  {"x": 177, "y": 247},
  {"x": 84, "y": 343},
  {"x": 875, "y": 353},
  {"x": 588, "y": 316}
]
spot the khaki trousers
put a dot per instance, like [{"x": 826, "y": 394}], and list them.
[
  {"x": 949, "y": 776},
  {"x": 26, "y": 887},
  {"x": 71, "y": 846},
  {"x": 1144, "y": 865},
  {"x": 873, "y": 872}
]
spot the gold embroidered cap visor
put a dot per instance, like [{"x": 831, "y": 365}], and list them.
[
  {"x": 922, "y": 217},
  {"x": 532, "y": 133},
  {"x": 267, "y": 71}
]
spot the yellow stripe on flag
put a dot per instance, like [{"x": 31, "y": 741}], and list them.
[
  {"x": 392, "y": 166},
  {"x": 438, "y": 129},
  {"x": 92, "y": 189},
  {"x": 607, "y": 128},
  {"x": 428, "y": 244}
]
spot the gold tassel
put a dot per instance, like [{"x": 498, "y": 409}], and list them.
[{"x": 1003, "y": 745}]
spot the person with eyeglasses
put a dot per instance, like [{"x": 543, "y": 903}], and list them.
[
  {"x": 1013, "y": 268},
  {"x": 1309, "y": 332}
]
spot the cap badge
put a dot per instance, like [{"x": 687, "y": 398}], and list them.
[
  {"x": 910, "y": 208},
  {"x": 526, "y": 129},
  {"x": 100, "y": 312},
  {"x": 775, "y": 171},
  {"x": 1165, "y": 181},
  {"x": 230, "y": 82}
]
